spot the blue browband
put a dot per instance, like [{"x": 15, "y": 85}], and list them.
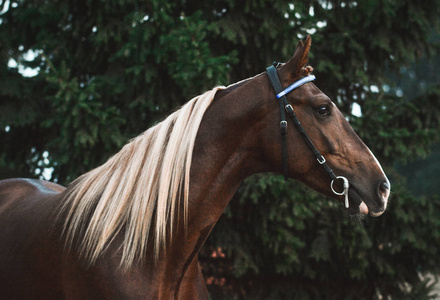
[{"x": 295, "y": 85}]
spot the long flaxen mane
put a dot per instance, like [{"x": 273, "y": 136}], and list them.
[{"x": 138, "y": 192}]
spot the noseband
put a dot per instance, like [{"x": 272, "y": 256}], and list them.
[{"x": 285, "y": 107}]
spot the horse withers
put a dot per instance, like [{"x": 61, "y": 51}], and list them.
[{"x": 132, "y": 228}]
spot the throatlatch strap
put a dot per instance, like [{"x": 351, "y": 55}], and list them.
[{"x": 284, "y": 105}]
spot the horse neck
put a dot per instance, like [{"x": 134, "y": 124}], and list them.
[{"x": 226, "y": 151}]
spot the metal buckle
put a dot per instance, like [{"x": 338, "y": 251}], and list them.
[
  {"x": 288, "y": 108},
  {"x": 321, "y": 160},
  {"x": 283, "y": 127}
]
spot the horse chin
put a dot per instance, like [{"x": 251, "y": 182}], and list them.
[{"x": 376, "y": 214}]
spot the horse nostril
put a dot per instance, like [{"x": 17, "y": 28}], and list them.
[
  {"x": 385, "y": 186},
  {"x": 384, "y": 190}
]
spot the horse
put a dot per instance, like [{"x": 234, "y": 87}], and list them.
[{"x": 132, "y": 228}]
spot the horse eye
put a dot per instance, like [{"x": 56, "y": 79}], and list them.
[{"x": 322, "y": 111}]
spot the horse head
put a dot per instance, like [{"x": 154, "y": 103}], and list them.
[{"x": 346, "y": 158}]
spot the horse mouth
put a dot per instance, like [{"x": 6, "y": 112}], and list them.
[
  {"x": 359, "y": 207},
  {"x": 364, "y": 210}
]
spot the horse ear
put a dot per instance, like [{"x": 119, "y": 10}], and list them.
[{"x": 299, "y": 59}]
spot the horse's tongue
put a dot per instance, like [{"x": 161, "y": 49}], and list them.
[{"x": 363, "y": 208}]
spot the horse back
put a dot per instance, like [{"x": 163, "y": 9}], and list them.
[{"x": 29, "y": 241}]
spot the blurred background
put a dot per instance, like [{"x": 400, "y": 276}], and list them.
[{"x": 78, "y": 79}]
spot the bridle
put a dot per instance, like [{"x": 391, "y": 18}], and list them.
[{"x": 285, "y": 107}]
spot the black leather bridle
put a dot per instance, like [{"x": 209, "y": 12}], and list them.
[{"x": 285, "y": 107}]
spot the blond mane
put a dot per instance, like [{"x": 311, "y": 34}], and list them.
[{"x": 138, "y": 192}]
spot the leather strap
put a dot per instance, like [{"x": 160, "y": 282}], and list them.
[{"x": 276, "y": 85}]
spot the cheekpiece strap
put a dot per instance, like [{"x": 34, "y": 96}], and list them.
[{"x": 274, "y": 80}]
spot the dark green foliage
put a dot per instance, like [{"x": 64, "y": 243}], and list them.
[
  {"x": 107, "y": 70},
  {"x": 422, "y": 174},
  {"x": 284, "y": 242}
]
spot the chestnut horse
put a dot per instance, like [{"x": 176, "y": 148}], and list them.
[{"x": 132, "y": 228}]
